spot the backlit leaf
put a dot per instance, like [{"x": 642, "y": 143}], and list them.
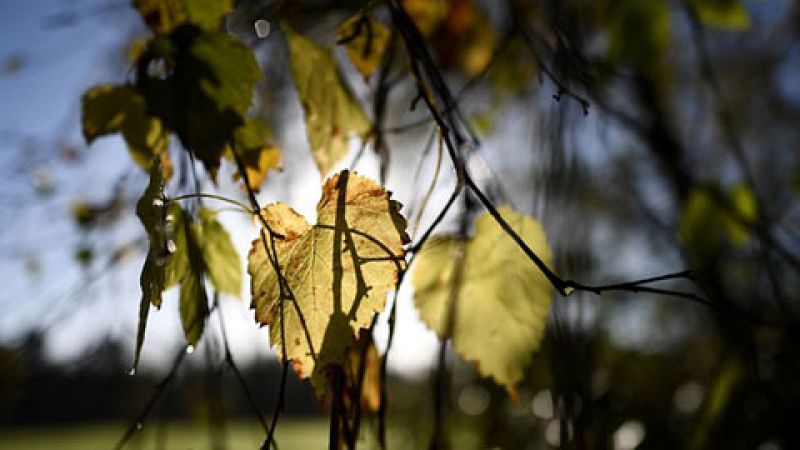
[
  {"x": 706, "y": 223},
  {"x": 111, "y": 109},
  {"x": 258, "y": 152},
  {"x": 727, "y": 14},
  {"x": 337, "y": 271},
  {"x": 502, "y": 299},
  {"x": 365, "y": 40},
  {"x": 219, "y": 254},
  {"x": 332, "y": 114}
]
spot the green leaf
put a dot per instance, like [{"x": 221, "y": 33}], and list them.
[
  {"x": 337, "y": 272},
  {"x": 163, "y": 16},
  {"x": 204, "y": 93},
  {"x": 365, "y": 40},
  {"x": 331, "y": 112},
  {"x": 111, "y": 109},
  {"x": 150, "y": 210},
  {"x": 745, "y": 209},
  {"x": 501, "y": 299},
  {"x": 219, "y": 255},
  {"x": 639, "y": 34},
  {"x": 726, "y": 14},
  {"x": 187, "y": 267},
  {"x": 706, "y": 223}
]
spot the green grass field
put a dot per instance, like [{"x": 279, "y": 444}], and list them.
[{"x": 292, "y": 434}]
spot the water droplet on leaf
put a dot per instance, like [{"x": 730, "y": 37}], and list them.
[
  {"x": 158, "y": 203},
  {"x": 189, "y": 349},
  {"x": 262, "y": 28},
  {"x": 171, "y": 247},
  {"x": 131, "y": 371},
  {"x": 139, "y": 426}
]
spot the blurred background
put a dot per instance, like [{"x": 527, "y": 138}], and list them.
[{"x": 647, "y": 136}]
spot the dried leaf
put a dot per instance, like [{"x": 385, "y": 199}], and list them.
[
  {"x": 111, "y": 109},
  {"x": 337, "y": 271}
]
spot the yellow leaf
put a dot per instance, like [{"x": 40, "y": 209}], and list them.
[
  {"x": 365, "y": 40},
  {"x": 502, "y": 300},
  {"x": 258, "y": 152},
  {"x": 337, "y": 271},
  {"x": 426, "y": 14},
  {"x": 331, "y": 112},
  {"x": 726, "y": 14},
  {"x": 110, "y": 109}
]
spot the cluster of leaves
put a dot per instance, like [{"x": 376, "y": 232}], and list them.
[{"x": 316, "y": 286}]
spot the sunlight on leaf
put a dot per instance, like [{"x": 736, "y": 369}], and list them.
[
  {"x": 726, "y": 14},
  {"x": 331, "y": 112},
  {"x": 338, "y": 271},
  {"x": 111, "y": 109},
  {"x": 706, "y": 224},
  {"x": 365, "y": 40},
  {"x": 503, "y": 301},
  {"x": 257, "y": 150}
]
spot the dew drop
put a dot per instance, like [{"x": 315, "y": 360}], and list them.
[
  {"x": 169, "y": 218},
  {"x": 262, "y": 28},
  {"x": 158, "y": 203},
  {"x": 171, "y": 247},
  {"x": 131, "y": 371},
  {"x": 139, "y": 426},
  {"x": 189, "y": 349}
]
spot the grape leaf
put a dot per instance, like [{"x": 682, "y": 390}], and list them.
[
  {"x": 337, "y": 271},
  {"x": 502, "y": 300},
  {"x": 365, "y": 40},
  {"x": 726, "y": 14},
  {"x": 163, "y": 16},
  {"x": 111, "y": 109},
  {"x": 331, "y": 112}
]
